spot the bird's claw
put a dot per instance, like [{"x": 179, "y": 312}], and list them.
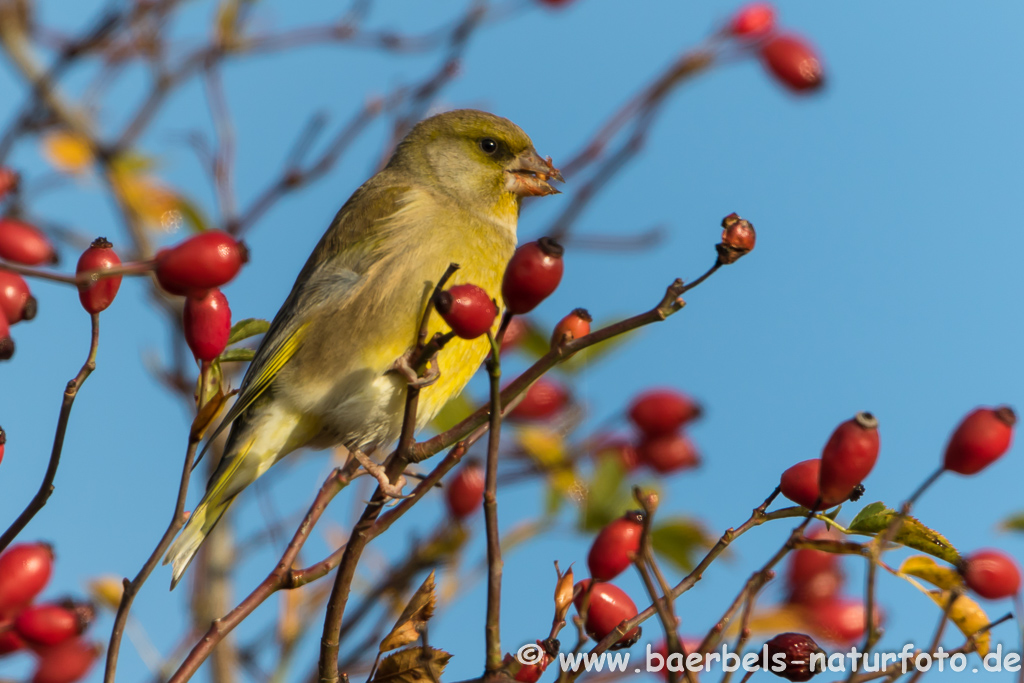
[
  {"x": 404, "y": 368},
  {"x": 389, "y": 489}
]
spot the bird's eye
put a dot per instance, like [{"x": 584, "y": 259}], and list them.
[{"x": 489, "y": 146}]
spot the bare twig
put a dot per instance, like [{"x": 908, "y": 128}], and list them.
[{"x": 492, "y": 629}]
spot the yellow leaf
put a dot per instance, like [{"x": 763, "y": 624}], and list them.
[
  {"x": 415, "y": 615},
  {"x": 544, "y": 445},
  {"x": 154, "y": 204},
  {"x": 784, "y": 618},
  {"x": 67, "y": 151},
  {"x": 968, "y": 617},
  {"x": 106, "y": 591},
  {"x": 927, "y": 569}
]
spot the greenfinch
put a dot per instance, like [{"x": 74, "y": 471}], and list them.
[{"x": 333, "y": 368}]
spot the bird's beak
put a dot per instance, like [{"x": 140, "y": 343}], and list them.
[{"x": 528, "y": 175}]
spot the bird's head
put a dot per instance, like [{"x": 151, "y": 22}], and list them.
[{"x": 481, "y": 159}]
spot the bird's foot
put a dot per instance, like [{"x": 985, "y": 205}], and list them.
[
  {"x": 404, "y": 367},
  {"x": 389, "y": 489}
]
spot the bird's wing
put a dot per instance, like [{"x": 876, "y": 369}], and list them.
[{"x": 329, "y": 277}]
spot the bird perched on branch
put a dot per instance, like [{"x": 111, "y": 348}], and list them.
[{"x": 333, "y": 368}]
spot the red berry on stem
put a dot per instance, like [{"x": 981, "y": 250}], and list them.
[
  {"x": 848, "y": 457},
  {"x": 465, "y": 492},
  {"x": 50, "y": 624},
  {"x": 842, "y": 620},
  {"x": 543, "y": 400},
  {"x": 532, "y": 275},
  {"x": 207, "y": 323},
  {"x": 99, "y": 256},
  {"x": 662, "y": 411},
  {"x": 25, "y": 244},
  {"x": 795, "y": 650},
  {"x": 793, "y": 62},
  {"x": 25, "y": 569},
  {"x": 814, "y": 576},
  {"x": 753, "y": 21},
  {"x": 614, "y": 548},
  {"x": 467, "y": 309},
  {"x": 607, "y": 607},
  {"x": 980, "y": 439},
  {"x": 10, "y": 641},
  {"x": 991, "y": 574},
  {"x": 210, "y": 259},
  {"x": 16, "y": 301},
  {"x": 800, "y": 484},
  {"x": 738, "y": 238},
  {"x": 65, "y": 663},
  {"x": 576, "y": 325},
  {"x": 668, "y": 453}
]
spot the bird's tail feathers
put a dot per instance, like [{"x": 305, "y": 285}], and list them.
[{"x": 199, "y": 525}]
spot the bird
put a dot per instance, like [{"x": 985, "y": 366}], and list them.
[{"x": 334, "y": 366}]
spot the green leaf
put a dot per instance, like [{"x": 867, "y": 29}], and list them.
[
  {"x": 236, "y": 356},
  {"x": 244, "y": 329},
  {"x": 1013, "y": 523},
  {"x": 679, "y": 540},
  {"x": 607, "y": 496},
  {"x": 876, "y": 518},
  {"x": 410, "y": 666}
]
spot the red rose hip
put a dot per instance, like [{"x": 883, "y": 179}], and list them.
[
  {"x": 99, "y": 256},
  {"x": 16, "y": 301},
  {"x": 668, "y": 453},
  {"x": 795, "y": 651},
  {"x": 210, "y": 259},
  {"x": 753, "y": 21},
  {"x": 800, "y": 484},
  {"x": 543, "y": 400},
  {"x": 50, "y": 624},
  {"x": 848, "y": 457},
  {"x": 842, "y": 620},
  {"x": 614, "y": 548},
  {"x": 467, "y": 309},
  {"x": 65, "y": 663},
  {"x": 465, "y": 492},
  {"x": 793, "y": 62},
  {"x": 575, "y": 325},
  {"x": 991, "y": 574},
  {"x": 207, "y": 323},
  {"x": 25, "y": 244},
  {"x": 662, "y": 411},
  {"x": 607, "y": 607},
  {"x": 980, "y": 439},
  {"x": 25, "y": 569},
  {"x": 532, "y": 275}
]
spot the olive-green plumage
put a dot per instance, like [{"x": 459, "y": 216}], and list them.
[{"x": 321, "y": 377}]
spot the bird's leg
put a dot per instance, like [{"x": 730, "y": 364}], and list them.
[
  {"x": 377, "y": 472},
  {"x": 404, "y": 367}
]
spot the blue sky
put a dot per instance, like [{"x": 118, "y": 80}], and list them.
[{"x": 884, "y": 278}]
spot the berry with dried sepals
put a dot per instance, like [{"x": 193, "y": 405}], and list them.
[
  {"x": 793, "y": 62},
  {"x": 467, "y": 309},
  {"x": 208, "y": 260},
  {"x": 980, "y": 439},
  {"x": 738, "y": 238},
  {"x": 50, "y": 624},
  {"x": 615, "y": 546},
  {"x": 848, "y": 457},
  {"x": 99, "y": 256},
  {"x": 532, "y": 275},
  {"x": 26, "y": 244},
  {"x": 572, "y": 326},
  {"x": 16, "y": 300}
]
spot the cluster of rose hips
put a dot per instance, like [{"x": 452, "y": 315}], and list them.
[
  {"x": 787, "y": 56},
  {"x": 660, "y": 417},
  {"x": 194, "y": 268},
  {"x": 49, "y": 630}
]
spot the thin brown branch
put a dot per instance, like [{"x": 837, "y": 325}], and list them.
[
  {"x": 492, "y": 627},
  {"x": 46, "y": 487}
]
